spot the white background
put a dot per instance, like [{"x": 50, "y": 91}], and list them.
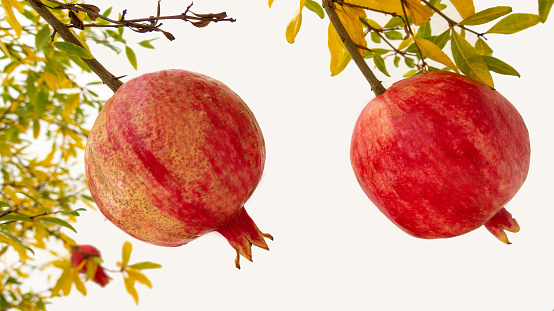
[{"x": 333, "y": 250}]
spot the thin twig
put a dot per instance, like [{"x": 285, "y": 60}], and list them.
[
  {"x": 376, "y": 85},
  {"x": 106, "y": 77}
]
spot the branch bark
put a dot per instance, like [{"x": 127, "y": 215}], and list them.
[
  {"x": 109, "y": 79},
  {"x": 376, "y": 85}
]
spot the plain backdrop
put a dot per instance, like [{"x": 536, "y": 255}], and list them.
[{"x": 333, "y": 250}]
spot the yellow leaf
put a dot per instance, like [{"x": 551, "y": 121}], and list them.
[
  {"x": 294, "y": 25},
  {"x": 130, "y": 287},
  {"x": 21, "y": 250},
  {"x": 126, "y": 253},
  {"x": 391, "y": 6},
  {"x": 138, "y": 276},
  {"x": 8, "y": 71},
  {"x": 47, "y": 162},
  {"x": 339, "y": 56},
  {"x": 464, "y": 7},
  {"x": 8, "y": 5},
  {"x": 70, "y": 106},
  {"x": 12, "y": 195},
  {"x": 4, "y": 49},
  {"x": 269, "y": 3},
  {"x": 431, "y": 50},
  {"x": 420, "y": 14},
  {"x": 404, "y": 44},
  {"x": 51, "y": 80},
  {"x": 79, "y": 283},
  {"x": 350, "y": 19}
]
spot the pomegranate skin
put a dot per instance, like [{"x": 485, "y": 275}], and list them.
[
  {"x": 173, "y": 155},
  {"x": 440, "y": 155}
]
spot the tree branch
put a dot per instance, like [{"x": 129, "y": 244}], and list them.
[
  {"x": 106, "y": 77},
  {"x": 376, "y": 85}
]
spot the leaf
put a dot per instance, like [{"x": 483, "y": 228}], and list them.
[
  {"x": 139, "y": 277},
  {"x": 14, "y": 242},
  {"x": 486, "y": 15},
  {"x": 36, "y": 128},
  {"x": 483, "y": 48},
  {"x": 420, "y": 14},
  {"x": 4, "y": 204},
  {"x": 339, "y": 56},
  {"x": 442, "y": 39},
  {"x": 380, "y": 64},
  {"x": 57, "y": 221},
  {"x": 42, "y": 37},
  {"x": 92, "y": 8},
  {"x": 294, "y": 25},
  {"x": 8, "y": 5},
  {"x": 145, "y": 265},
  {"x": 73, "y": 49},
  {"x": 78, "y": 282},
  {"x": 15, "y": 217},
  {"x": 544, "y": 9},
  {"x": 316, "y": 8},
  {"x": 514, "y": 23},
  {"x": 469, "y": 61},
  {"x": 394, "y": 35},
  {"x": 32, "y": 198},
  {"x": 270, "y": 2},
  {"x": 499, "y": 66},
  {"x": 131, "y": 56},
  {"x": 126, "y": 253},
  {"x": 432, "y": 51},
  {"x": 147, "y": 44},
  {"x": 130, "y": 287},
  {"x": 464, "y": 7}
]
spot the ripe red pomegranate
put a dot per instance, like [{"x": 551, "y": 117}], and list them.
[
  {"x": 174, "y": 155},
  {"x": 441, "y": 154},
  {"x": 87, "y": 252}
]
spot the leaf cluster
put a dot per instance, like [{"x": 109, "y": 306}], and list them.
[{"x": 411, "y": 36}]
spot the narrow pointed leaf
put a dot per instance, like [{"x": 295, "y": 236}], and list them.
[
  {"x": 294, "y": 25},
  {"x": 499, "y": 66},
  {"x": 130, "y": 287},
  {"x": 432, "y": 51},
  {"x": 469, "y": 61},
  {"x": 145, "y": 265},
  {"x": 15, "y": 217},
  {"x": 339, "y": 56},
  {"x": 486, "y": 15},
  {"x": 57, "y": 221},
  {"x": 514, "y": 23},
  {"x": 7, "y": 5},
  {"x": 4, "y": 204},
  {"x": 73, "y": 49},
  {"x": 544, "y": 9}
]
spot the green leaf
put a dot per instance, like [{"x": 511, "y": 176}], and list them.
[
  {"x": 57, "y": 221},
  {"x": 315, "y": 7},
  {"x": 4, "y": 204},
  {"x": 36, "y": 128},
  {"x": 145, "y": 265},
  {"x": 483, "y": 48},
  {"x": 17, "y": 241},
  {"x": 380, "y": 64},
  {"x": 131, "y": 56},
  {"x": 544, "y": 9},
  {"x": 87, "y": 197},
  {"x": 147, "y": 44},
  {"x": 32, "y": 198},
  {"x": 394, "y": 35},
  {"x": 73, "y": 49},
  {"x": 394, "y": 22},
  {"x": 514, "y": 23},
  {"x": 499, "y": 66},
  {"x": 469, "y": 61},
  {"x": 442, "y": 39},
  {"x": 375, "y": 37},
  {"x": 15, "y": 217},
  {"x": 486, "y": 15},
  {"x": 424, "y": 30},
  {"x": 42, "y": 37}
]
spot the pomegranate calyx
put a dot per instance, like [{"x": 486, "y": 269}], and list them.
[
  {"x": 501, "y": 221},
  {"x": 241, "y": 232}
]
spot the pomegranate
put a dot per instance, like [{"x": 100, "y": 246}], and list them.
[
  {"x": 441, "y": 154},
  {"x": 82, "y": 253},
  {"x": 174, "y": 155}
]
